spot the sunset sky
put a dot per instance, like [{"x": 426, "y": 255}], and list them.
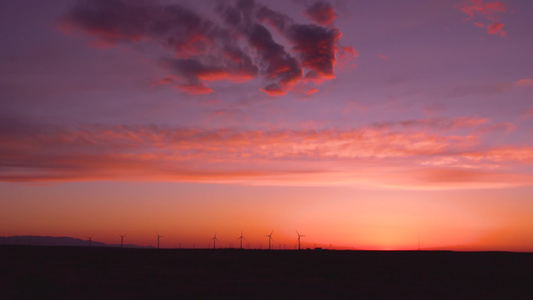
[{"x": 361, "y": 124}]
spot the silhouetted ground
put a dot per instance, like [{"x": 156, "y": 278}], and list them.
[{"x": 103, "y": 273}]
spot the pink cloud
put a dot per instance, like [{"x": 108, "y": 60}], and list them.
[
  {"x": 165, "y": 80},
  {"x": 490, "y": 11},
  {"x": 496, "y": 28},
  {"x": 352, "y": 106},
  {"x": 311, "y": 91},
  {"x": 346, "y": 56},
  {"x": 194, "y": 89},
  {"x": 436, "y": 124},
  {"x": 466, "y": 178},
  {"x": 490, "y": 88},
  {"x": 524, "y": 82},
  {"x": 321, "y": 13},
  {"x": 104, "y": 152},
  {"x": 503, "y": 155},
  {"x": 273, "y": 90}
]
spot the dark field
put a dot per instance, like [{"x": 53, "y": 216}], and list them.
[{"x": 113, "y": 273}]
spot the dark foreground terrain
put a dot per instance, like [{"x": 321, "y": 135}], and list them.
[{"x": 112, "y": 273}]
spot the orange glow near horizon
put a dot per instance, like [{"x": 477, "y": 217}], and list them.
[
  {"x": 359, "y": 129},
  {"x": 341, "y": 218}
]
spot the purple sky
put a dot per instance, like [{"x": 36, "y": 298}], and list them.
[{"x": 374, "y": 96}]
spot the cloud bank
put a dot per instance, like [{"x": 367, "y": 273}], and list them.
[
  {"x": 412, "y": 153},
  {"x": 237, "y": 45}
]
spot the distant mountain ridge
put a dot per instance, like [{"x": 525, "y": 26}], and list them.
[{"x": 32, "y": 240}]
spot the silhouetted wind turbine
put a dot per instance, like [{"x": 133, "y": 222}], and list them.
[
  {"x": 90, "y": 240},
  {"x": 269, "y": 239},
  {"x": 158, "y": 237},
  {"x": 241, "y": 238},
  {"x": 299, "y": 236},
  {"x": 214, "y": 238},
  {"x": 122, "y": 240}
]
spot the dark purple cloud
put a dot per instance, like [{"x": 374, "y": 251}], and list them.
[
  {"x": 237, "y": 48},
  {"x": 113, "y": 21},
  {"x": 315, "y": 46},
  {"x": 278, "y": 65}
]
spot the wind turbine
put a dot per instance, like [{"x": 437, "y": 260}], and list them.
[
  {"x": 122, "y": 240},
  {"x": 214, "y": 238},
  {"x": 269, "y": 239},
  {"x": 241, "y": 238},
  {"x": 158, "y": 237},
  {"x": 299, "y": 236},
  {"x": 90, "y": 240}
]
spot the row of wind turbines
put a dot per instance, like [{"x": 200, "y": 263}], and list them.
[
  {"x": 90, "y": 239},
  {"x": 214, "y": 239},
  {"x": 270, "y": 239}
]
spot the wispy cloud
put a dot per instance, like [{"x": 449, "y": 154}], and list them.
[
  {"x": 524, "y": 82},
  {"x": 237, "y": 48},
  {"x": 491, "y": 11},
  {"x": 490, "y": 88},
  {"x": 385, "y": 155}
]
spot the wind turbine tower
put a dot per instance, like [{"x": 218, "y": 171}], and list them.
[
  {"x": 241, "y": 238},
  {"x": 299, "y": 236},
  {"x": 158, "y": 237},
  {"x": 269, "y": 240},
  {"x": 214, "y": 238},
  {"x": 90, "y": 240},
  {"x": 122, "y": 240}
]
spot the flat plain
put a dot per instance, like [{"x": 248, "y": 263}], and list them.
[{"x": 39, "y": 272}]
